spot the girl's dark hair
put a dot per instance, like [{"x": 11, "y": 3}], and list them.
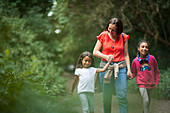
[
  {"x": 140, "y": 43},
  {"x": 82, "y": 56},
  {"x": 118, "y": 23}
]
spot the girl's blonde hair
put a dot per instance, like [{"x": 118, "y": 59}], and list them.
[{"x": 82, "y": 56}]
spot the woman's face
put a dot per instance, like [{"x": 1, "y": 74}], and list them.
[
  {"x": 112, "y": 29},
  {"x": 143, "y": 49}
]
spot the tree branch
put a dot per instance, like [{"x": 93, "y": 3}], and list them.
[{"x": 153, "y": 35}]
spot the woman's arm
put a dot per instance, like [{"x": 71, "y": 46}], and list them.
[
  {"x": 127, "y": 59},
  {"x": 97, "y": 53},
  {"x": 76, "y": 79}
]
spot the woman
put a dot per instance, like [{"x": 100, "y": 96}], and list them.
[{"x": 114, "y": 44}]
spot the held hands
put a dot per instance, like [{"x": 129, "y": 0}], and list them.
[
  {"x": 129, "y": 75},
  {"x": 109, "y": 58}
]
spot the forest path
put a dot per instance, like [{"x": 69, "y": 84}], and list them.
[{"x": 134, "y": 101}]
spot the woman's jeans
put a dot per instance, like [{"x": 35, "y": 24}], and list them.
[
  {"x": 121, "y": 91},
  {"x": 87, "y": 101}
]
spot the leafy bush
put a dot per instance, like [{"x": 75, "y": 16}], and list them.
[
  {"x": 26, "y": 64},
  {"x": 163, "y": 92}
]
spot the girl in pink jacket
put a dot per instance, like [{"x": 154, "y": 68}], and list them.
[{"x": 145, "y": 69}]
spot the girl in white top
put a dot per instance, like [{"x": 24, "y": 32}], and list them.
[{"x": 85, "y": 76}]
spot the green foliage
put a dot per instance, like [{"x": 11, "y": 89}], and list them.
[
  {"x": 23, "y": 7},
  {"x": 27, "y": 62},
  {"x": 79, "y": 25},
  {"x": 28, "y": 101},
  {"x": 164, "y": 85}
]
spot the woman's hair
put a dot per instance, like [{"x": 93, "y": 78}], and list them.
[
  {"x": 82, "y": 56},
  {"x": 118, "y": 23},
  {"x": 140, "y": 43}
]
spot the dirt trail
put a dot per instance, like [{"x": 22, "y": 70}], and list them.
[{"x": 134, "y": 101}]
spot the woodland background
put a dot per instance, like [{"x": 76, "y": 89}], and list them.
[{"x": 39, "y": 39}]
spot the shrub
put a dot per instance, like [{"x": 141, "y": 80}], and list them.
[
  {"x": 26, "y": 64},
  {"x": 163, "y": 92}
]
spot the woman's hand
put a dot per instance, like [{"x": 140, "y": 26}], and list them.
[
  {"x": 129, "y": 74},
  {"x": 108, "y": 57}
]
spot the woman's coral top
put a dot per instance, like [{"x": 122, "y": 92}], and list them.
[{"x": 110, "y": 47}]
